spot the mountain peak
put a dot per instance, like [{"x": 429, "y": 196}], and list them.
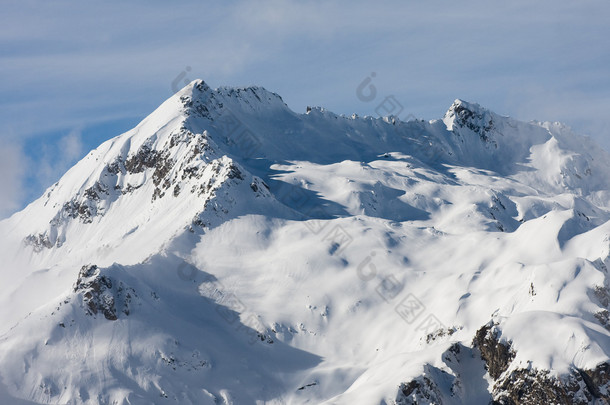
[
  {"x": 436, "y": 254},
  {"x": 199, "y": 99},
  {"x": 463, "y": 114}
]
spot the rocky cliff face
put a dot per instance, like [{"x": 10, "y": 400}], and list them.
[
  {"x": 510, "y": 383},
  {"x": 101, "y": 293}
]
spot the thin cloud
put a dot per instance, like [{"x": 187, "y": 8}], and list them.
[
  {"x": 66, "y": 64},
  {"x": 13, "y": 166},
  {"x": 58, "y": 158}
]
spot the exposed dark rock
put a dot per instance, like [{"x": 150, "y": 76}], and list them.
[
  {"x": 496, "y": 354},
  {"x": 265, "y": 338},
  {"x": 143, "y": 159},
  {"x": 201, "y": 146},
  {"x": 83, "y": 210},
  {"x": 158, "y": 193},
  {"x": 103, "y": 294},
  {"x": 234, "y": 172},
  {"x": 473, "y": 120},
  {"x": 538, "y": 387},
  {"x": 38, "y": 242},
  {"x": 512, "y": 387},
  {"x": 147, "y": 158},
  {"x": 130, "y": 188},
  {"x": 421, "y": 390},
  {"x": 603, "y": 317},
  {"x": 192, "y": 364},
  {"x": 190, "y": 172},
  {"x": 182, "y": 136},
  {"x": 116, "y": 166},
  {"x": 162, "y": 168},
  {"x": 197, "y": 221},
  {"x": 94, "y": 192},
  {"x": 532, "y": 386},
  {"x": 603, "y": 295},
  {"x": 598, "y": 381},
  {"x": 440, "y": 333},
  {"x": 198, "y": 105},
  {"x": 313, "y": 384},
  {"x": 207, "y": 187}
]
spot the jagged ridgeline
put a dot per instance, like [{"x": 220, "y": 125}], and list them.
[{"x": 230, "y": 250}]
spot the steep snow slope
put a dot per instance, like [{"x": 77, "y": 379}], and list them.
[{"x": 229, "y": 250}]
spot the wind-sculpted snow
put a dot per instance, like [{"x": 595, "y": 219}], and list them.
[{"x": 229, "y": 250}]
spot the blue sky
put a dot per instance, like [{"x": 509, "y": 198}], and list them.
[{"x": 73, "y": 74}]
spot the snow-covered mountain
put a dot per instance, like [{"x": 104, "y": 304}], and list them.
[{"x": 228, "y": 250}]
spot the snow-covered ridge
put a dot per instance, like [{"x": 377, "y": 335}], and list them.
[{"x": 230, "y": 250}]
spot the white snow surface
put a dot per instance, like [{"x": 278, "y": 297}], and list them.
[{"x": 254, "y": 255}]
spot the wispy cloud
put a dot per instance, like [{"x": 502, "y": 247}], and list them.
[
  {"x": 65, "y": 64},
  {"x": 57, "y": 158},
  {"x": 13, "y": 167}
]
